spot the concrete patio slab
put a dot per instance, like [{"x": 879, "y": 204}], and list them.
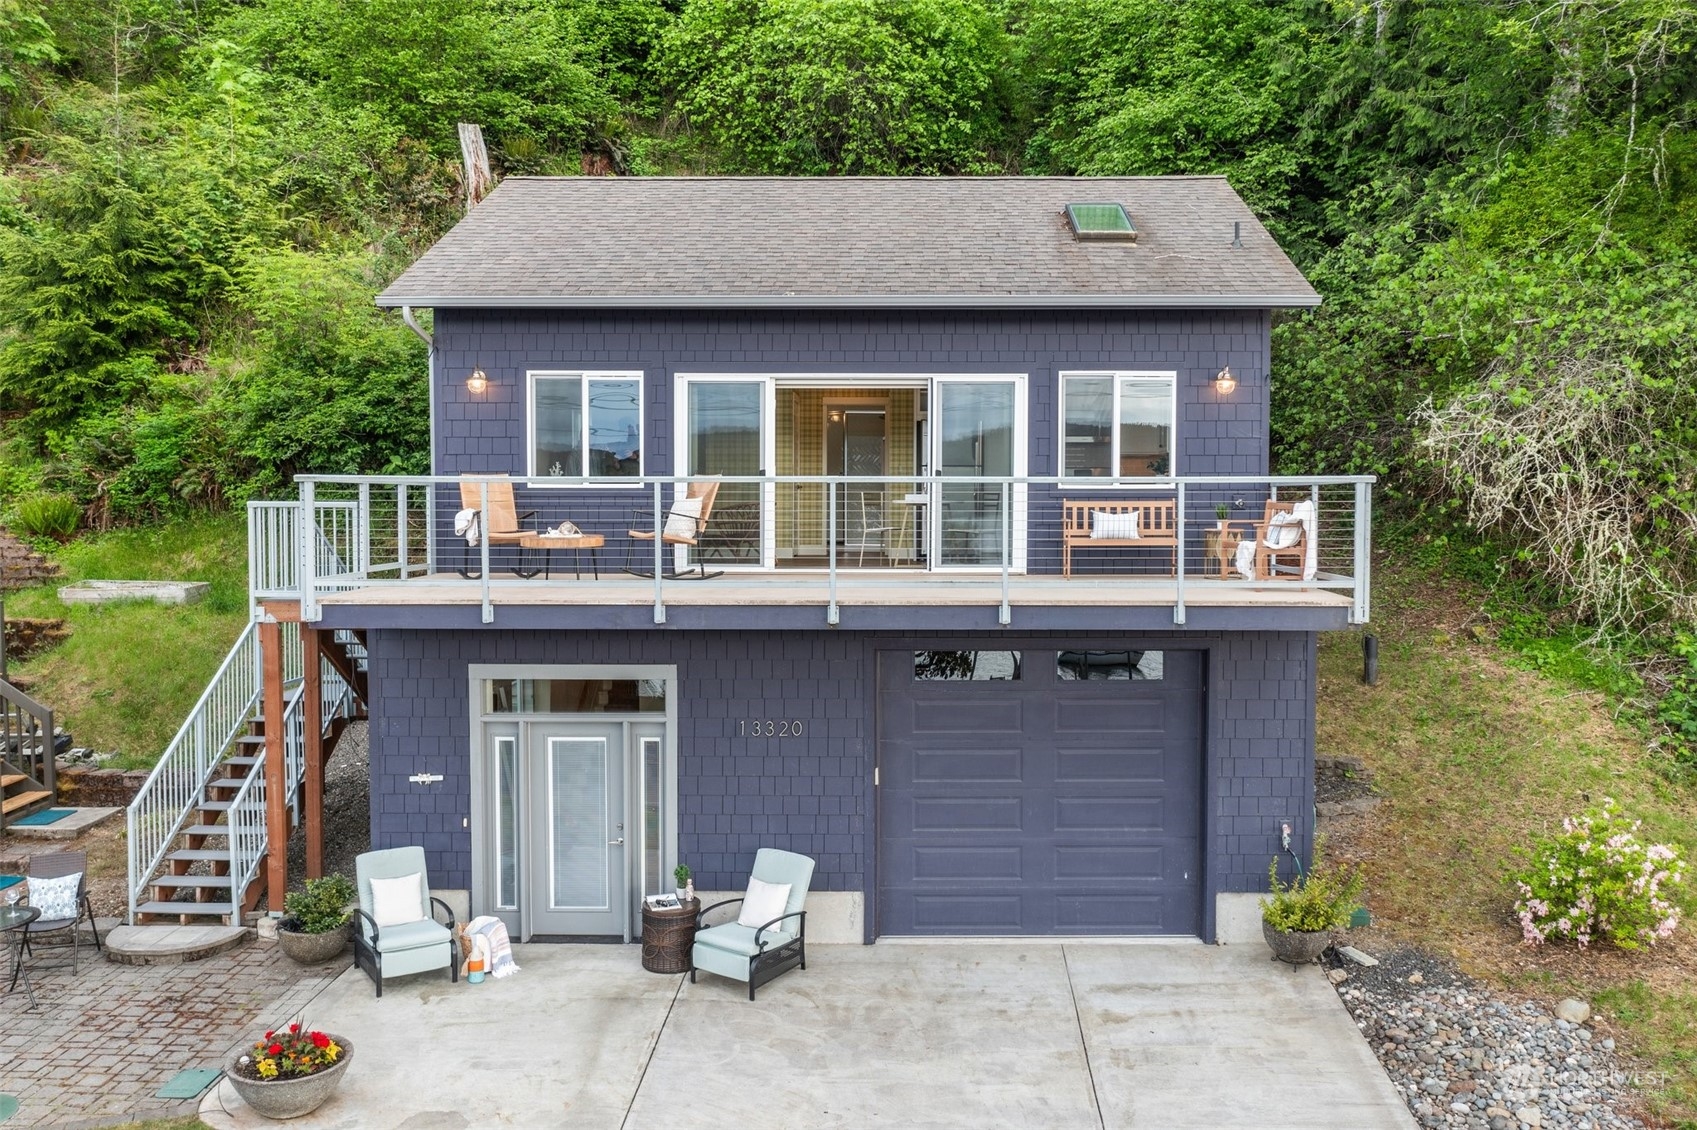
[
  {"x": 1113, "y": 1037},
  {"x": 160, "y": 592},
  {"x": 67, "y": 827},
  {"x": 1218, "y": 1036},
  {"x": 562, "y": 1043},
  {"x": 979, "y": 1036}
]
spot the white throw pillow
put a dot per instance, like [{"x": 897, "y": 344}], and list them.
[
  {"x": 684, "y": 521},
  {"x": 1104, "y": 524},
  {"x": 55, "y": 898},
  {"x": 1284, "y": 531},
  {"x": 395, "y": 902},
  {"x": 763, "y": 902}
]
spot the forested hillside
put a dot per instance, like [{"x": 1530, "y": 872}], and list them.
[{"x": 1498, "y": 199}]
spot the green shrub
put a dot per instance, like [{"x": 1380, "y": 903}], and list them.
[
  {"x": 1596, "y": 880},
  {"x": 49, "y": 516},
  {"x": 1323, "y": 899},
  {"x": 322, "y": 907}
]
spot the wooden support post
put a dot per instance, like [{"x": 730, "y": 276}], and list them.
[
  {"x": 276, "y": 796},
  {"x": 312, "y": 722}
]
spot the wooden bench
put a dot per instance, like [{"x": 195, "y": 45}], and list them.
[{"x": 1157, "y": 526}]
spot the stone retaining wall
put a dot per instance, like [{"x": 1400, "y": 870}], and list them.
[
  {"x": 100, "y": 788},
  {"x": 27, "y": 638},
  {"x": 21, "y": 566}
]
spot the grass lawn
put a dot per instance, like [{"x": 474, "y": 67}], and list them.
[
  {"x": 1475, "y": 758},
  {"x": 130, "y": 672}
]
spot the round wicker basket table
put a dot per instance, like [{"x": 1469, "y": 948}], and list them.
[{"x": 667, "y": 936}]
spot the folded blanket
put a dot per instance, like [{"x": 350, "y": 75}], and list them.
[
  {"x": 466, "y": 525},
  {"x": 491, "y": 933}
]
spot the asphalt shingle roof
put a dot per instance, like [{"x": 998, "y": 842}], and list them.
[{"x": 850, "y": 241}]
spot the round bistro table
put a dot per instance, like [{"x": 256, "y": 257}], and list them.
[
  {"x": 548, "y": 543},
  {"x": 668, "y": 936},
  {"x": 13, "y": 920}
]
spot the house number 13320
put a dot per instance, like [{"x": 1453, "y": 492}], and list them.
[{"x": 769, "y": 727}]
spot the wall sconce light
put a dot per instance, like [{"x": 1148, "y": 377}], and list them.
[
  {"x": 478, "y": 383},
  {"x": 1224, "y": 382}
]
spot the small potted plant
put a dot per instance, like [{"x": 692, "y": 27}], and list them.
[
  {"x": 317, "y": 925},
  {"x": 290, "y": 1072},
  {"x": 686, "y": 883},
  {"x": 1220, "y": 512},
  {"x": 1299, "y": 918}
]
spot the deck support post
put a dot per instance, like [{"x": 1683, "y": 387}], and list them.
[
  {"x": 276, "y": 792},
  {"x": 312, "y": 725}
]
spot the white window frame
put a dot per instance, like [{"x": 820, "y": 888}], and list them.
[
  {"x": 1115, "y": 481},
  {"x": 584, "y": 376}
]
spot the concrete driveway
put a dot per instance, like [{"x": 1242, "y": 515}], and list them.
[{"x": 1021, "y": 1035}]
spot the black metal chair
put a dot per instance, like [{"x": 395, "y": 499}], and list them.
[{"x": 57, "y": 865}]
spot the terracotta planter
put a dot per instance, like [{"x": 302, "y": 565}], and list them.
[
  {"x": 1296, "y": 947},
  {"x": 314, "y": 949},
  {"x": 291, "y": 1098}
]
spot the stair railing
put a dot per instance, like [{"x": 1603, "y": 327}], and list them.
[
  {"x": 249, "y": 838},
  {"x": 26, "y": 738},
  {"x": 168, "y": 798}
]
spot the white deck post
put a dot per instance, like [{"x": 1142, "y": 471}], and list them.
[{"x": 1178, "y": 556}]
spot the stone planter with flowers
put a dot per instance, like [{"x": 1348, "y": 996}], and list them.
[{"x": 290, "y": 1072}]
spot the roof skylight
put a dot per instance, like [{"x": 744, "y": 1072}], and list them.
[{"x": 1100, "y": 221}]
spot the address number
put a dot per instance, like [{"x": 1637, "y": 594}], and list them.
[{"x": 769, "y": 727}]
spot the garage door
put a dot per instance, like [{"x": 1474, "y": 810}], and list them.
[{"x": 1039, "y": 792}]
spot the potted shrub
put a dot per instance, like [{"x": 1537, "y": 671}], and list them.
[
  {"x": 686, "y": 884},
  {"x": 1220, "y": 512},
  {"x": 1298, "y": 919},
  {"x": 290, "y": 1073},
  {"x": 317, "y": 925}
]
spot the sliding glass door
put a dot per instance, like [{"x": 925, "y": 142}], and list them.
[
  {"x": 978, "y": 433},
  {"x": 727, "y": 430}
]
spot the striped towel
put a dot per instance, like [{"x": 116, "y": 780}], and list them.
[{"x": 493, "y": 933}]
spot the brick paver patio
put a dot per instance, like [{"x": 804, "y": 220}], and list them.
[{"x": 103, "y": 1041}]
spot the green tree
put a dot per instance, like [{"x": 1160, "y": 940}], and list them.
[{"x": 825, "y": 87}]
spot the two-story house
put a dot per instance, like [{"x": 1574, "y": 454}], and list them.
[{"x": 963, "y": 584}]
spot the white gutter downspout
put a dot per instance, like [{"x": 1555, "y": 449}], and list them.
[{"x": 430, "y": 360}]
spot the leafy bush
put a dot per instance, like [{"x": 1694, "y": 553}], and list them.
[
  {"x": 1323, "y": 899},
  {"x": 1596, "y": 880},
  {"x": 322, "y": 907},
  {"x": 1677, "y": 709},
  {"x": 48, "y": 516}
]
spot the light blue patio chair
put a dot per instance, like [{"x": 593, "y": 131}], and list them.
[
  {"x": 396, "y": 949},
  {"x": 758, "y": 953}
]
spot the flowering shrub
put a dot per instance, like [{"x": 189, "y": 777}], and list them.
[
  {"x": 289, "y": 1055},
  {"x": 1596, "y": 880}
]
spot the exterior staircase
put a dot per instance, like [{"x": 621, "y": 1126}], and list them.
[
  {"x": 198, "y": 835},
  {"x": 28, "y": 746}
]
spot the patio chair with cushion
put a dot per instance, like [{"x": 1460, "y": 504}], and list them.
[
  {"x": 396, "y": 931},
  {"x": 502, "y": 526},
  {"x": 686, "y": 525},
  {"x": 1283, "y": 544},
  {"x": 769, "y": 936},
  {"x": 58, "y": 887}
]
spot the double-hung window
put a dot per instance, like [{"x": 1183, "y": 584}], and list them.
[
  {"x": 1118, "y": 425},
  {"x": 586, "y": 425}
]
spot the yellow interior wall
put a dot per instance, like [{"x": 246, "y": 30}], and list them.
[{"x": 800, "y": 443}]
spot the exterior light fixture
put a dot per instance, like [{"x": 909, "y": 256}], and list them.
[
  {"x": 478, "y": 383},
  {"x": 1224, "y": 382}
]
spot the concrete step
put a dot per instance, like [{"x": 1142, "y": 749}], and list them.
[
  {"x": 176, "y": 909},
  {"x": 171, "y": 945},
  {"x": 213, "y": 806},
  {"x": 207, "y": 830},
  {"x": 67, "y": 827}
]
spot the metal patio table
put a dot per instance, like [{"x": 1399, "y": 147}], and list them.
[{"x": 13, "y": 920}]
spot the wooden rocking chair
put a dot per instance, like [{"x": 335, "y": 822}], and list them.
[
  {"x": 502, "y": 527},
  {"x": 685, "y": 524}
]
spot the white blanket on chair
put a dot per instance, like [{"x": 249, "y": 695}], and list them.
[
  {"x": 467, "y": 523},
  {"x": 1304, "y": 512},
  {"x": 490, "y": 935}
]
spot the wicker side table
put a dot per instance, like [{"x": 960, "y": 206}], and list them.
[{"x": 667, "y": 937}]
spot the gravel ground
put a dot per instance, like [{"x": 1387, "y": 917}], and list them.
[
  {"x": 1470, "y": 1059},
  {"x": 347, "y": 810}
]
